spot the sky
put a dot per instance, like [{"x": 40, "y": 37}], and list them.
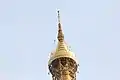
[{"x": 28, "y": 29}]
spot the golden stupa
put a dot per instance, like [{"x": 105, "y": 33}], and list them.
[{"x": 62, "y": 63}]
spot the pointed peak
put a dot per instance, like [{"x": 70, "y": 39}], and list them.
[
  {"x": 60, "y": 33},
  {"x": 59, "y": 24},
  {"x": 58, "y": 16}
]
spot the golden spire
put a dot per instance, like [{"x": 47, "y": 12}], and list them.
[
  {"x": 60, "y": 33},
  {"x": 62, "y": 63},
  {"x": 62, "y": 49}
]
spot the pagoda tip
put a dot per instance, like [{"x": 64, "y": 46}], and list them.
[{"x": 58, "y": 16}]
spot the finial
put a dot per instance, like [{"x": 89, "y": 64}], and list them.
[
  {"x": 58, "y": 16},
  {"x": 60, "y": 33}
]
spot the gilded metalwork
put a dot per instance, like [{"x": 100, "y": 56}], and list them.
[{"x": 62, "y": 63}]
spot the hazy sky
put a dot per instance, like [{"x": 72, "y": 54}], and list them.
[{"x": 28, "y": 29}]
